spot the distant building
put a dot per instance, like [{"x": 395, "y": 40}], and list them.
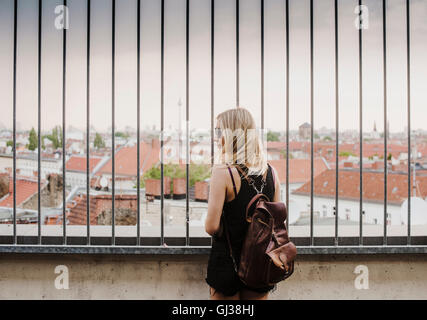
[
  {"x": 299, "y": 172},
  {"x": 76, "y": 169},
  {"x": 373, "y": 195},
  {"x": 304, "y": 131},
  {"x": 125, "y": 212},
  {"x": 126, "y": 163}
]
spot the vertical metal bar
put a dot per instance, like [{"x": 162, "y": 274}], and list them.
[
  {"x": 287, "y": 107},
  {"x": 384, "y": 4},
  {"x": 408, "y": 77},
  {"x": 262, "y": 67},
  {"x": 361, "y": 130},
  {"x": 187, "y": 118},
  {"x": 138, "y": 132},
  {"x": 64, "y": 92},
  {"x": 88, "y": 123},
  {"x": 312, "y": 125},
  {"x": 162, "y": 77},
  {"x": 39, "y": 121},
  {"x": 212, "y": 78},
  {"x": 336, "y": 121},
  {"x": 113, "y": 102},
  {"x": 15, "y": 32},
  {"x": 237, "y": 56}
]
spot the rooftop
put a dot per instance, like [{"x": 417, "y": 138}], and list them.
[
  {"x": 299, "y": 169},
  {"x": 373, "y": 186},
  {"x": 78, "y": 163}
]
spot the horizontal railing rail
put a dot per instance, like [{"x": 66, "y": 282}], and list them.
[{"x": 93, "y": 239}]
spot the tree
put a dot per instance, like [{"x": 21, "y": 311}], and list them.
[
  {"x": 98, "y": 142},
  {"x": 9, "y": 143},
  {"x": 33, "y": 140},
  {"x": 55, "y": 137},
  {"x": 120, "y": 134},
  {"x": 272, "y": 136},
  {"x": 197, "y": 172},
  {"x": 327, "y": 138},
  {"x": 346, "y": 154}
]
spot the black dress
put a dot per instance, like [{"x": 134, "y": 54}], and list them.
[{"x": 221, "y": 275}]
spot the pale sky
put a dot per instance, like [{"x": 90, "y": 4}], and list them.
[{"x": 250, "y": 95}]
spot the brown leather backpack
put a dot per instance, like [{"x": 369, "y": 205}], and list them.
[{"x": 266, "y": 245}]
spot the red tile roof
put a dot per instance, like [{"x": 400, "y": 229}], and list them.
[
  {"x": 373, "y": 149},
  {"x": 373, "y": 186},
  {"x": 126, "y": 159},
  {"x": 327, "y": 149},
  {"x": 98, "y": 203},
  {"x": 25, "y": 187},
  {"x": 78, "y": 210},
  {"x": 299, "y": 169},
  {"x": 78, "y": 163}
]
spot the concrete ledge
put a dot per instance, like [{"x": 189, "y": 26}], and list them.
[
  {"x": 334, "y": 277},
  {"x": 199, "y": 250}
]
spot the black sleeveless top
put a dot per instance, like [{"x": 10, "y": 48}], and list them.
[{"x": 220, "y": 273}]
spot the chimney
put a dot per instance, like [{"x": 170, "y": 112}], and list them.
[
  {"x": 348, "y": 164},
  {"x": 378, "y": 165},
  {"x": 55, "y": 185},
  {"x": 155, "y": 143},
  {"x": 4, "y": 184}
]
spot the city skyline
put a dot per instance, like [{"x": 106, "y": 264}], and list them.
[{"x": 199, "y": 103}]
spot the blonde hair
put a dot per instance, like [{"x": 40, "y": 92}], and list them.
[{"x": 241, "y": 143}]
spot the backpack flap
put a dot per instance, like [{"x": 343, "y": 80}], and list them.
[
  {"x": 283, "y": 256},
  {"x": 278, "y": 211}
]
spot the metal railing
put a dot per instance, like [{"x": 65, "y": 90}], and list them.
[{"x": 114, "y": 244}]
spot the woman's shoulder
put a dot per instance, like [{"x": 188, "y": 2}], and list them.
[
  {"x": 219, "y": 171},
  {"x": 218, "y": 168}
]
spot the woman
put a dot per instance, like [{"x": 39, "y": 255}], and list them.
[{"x": 240, "y": 171}]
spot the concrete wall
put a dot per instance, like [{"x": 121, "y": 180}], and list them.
[{"x": 32, "y": 276}]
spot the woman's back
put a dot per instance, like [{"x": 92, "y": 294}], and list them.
[
  {"x": 239, "y": 143},
  {"x": 221, "y": 274},
  {"x": 234, "y": 212}
]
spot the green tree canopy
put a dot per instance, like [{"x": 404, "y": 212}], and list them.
[
  {"x": 272, "y": 136},
  {"x": 346, "y": 154},
  {"x": 56, "y": 137},
  {"x": 32, "y": 140},
  {"x": 99, "y": 142}
]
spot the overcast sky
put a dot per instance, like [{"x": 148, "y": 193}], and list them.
[{"x": 250, "y": 64}]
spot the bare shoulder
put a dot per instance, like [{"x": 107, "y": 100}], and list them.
[{"x": 219, "y": 171}]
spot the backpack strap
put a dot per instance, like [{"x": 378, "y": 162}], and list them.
[{"x": 252, "y": 202}]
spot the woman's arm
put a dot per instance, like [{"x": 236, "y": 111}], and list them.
[
  {"x": 276, "y": 185},
  {"x": 217, "y": 192}
]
